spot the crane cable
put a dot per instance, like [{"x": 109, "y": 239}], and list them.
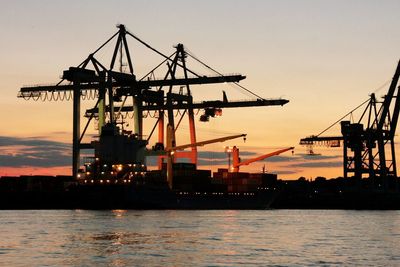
[
  {"x": 159, "y": 53},
  {"x": 220, "y": 74},
  {"x": 347, "y": 114}
]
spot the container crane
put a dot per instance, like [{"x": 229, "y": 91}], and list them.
[
  {"x": 93, "y": 80},
  {"x": 369, "y": 147}
]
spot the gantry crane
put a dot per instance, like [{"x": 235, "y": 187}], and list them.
[
  {"x": 368, "y": 144},
  {"x": 109, "y": 86}
]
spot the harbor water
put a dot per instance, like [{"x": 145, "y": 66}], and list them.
[{"x": 199, "y": 238}]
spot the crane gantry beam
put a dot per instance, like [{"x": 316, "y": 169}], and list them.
[
  {"x": 26, "y": 91},
  {"x": 199, "y": 105}
]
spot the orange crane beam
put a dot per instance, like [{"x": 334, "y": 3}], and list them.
[
  {"x": 202, "y": 143},
  {"x": 171, "y": 148},
  {"x": 236, "y": 160}
]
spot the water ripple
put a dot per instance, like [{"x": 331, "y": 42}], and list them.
[{"x": 199, "y": 238}]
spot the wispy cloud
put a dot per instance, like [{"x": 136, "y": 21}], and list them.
[
  {"x": 280, "y": 159},
  {"x": 317, "y": 164},
  {"x": 221, "y": 154},
  {"x": 316, "y": 156},
  {"x": 297, "y": 160},
  {"x": 39, "y": 152},
  {"x": 285, "y": 172},
  {"x": 207, "y": 162},
  {"x": 33, "y": 151}
]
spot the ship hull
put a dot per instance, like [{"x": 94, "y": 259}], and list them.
[{"x": 133, "y": 197}]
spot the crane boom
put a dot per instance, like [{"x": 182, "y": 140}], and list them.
[
  {"x": 202, "y": 143},
  {"x": 236, "y": 160},
  {"x": 247, "y": 162}
]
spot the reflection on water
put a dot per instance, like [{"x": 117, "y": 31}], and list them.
[{"x": 182, "y": 238}]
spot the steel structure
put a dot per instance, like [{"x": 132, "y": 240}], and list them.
[
  {"x": 237, "y": 163},
  {"x": 368, "y": 144},
  {"x": 93, "y": 80}
]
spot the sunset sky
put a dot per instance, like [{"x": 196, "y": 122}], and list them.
[{"x": 326, "y": 57}]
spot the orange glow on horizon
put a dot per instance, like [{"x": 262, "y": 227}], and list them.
[{"x": 51, "y": 171}]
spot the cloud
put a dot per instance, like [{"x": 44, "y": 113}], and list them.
[
  {"x": 31, "y": 142},
  {"x": 207, "y": 162},
  {"x": 40, "y": 152},
  {"x": 221, "y": 155},
  {"x": 221, "y": 158},
  {"x": 316, "y": 156},
  {"x": 317, "y": 164},
  {"x": 285, "y": 172},
  {"x": 280, "y": 159},
  {"x": 213, "y": 156},
  {"x": 33, "y": 152},
  {"x": 205, "y": 158}
]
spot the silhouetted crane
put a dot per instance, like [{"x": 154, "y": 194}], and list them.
[
  {"x": 108, "y": 86},
  {"x": 369, "y": 147}
]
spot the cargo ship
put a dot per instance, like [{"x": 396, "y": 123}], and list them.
[
  {"x": 63, "y": 192},
  {"x": 117, "y": 178}
]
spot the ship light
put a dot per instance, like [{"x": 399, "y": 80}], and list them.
[
  {"x": 79, "y": 176},
  {"x": 87, "y": 173},
  {"x": 142, "y": 165},
  {"x": 102, "y": 172},
  {"x": 92, "y": 181},
  {"x": 119, "y": 167},
  {"x": 101, "y": 181},
  {"x": 124, "y": 181},
  {"x": 130, "y": 165},
  {"x": 97, "y": 159},
  {"x": 85, "y": 181},
  {"x": 105, "y": 165},
  {"x": 134, "y": 165},
  {"x": 107, "y": 181}
]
